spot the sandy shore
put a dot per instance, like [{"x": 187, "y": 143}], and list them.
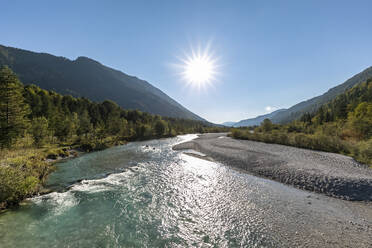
[{"x": 328, "y": 173}]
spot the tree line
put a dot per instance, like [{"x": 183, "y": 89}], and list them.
[
  {"x": 344, "y": 125},
  {"x": 48, "y": 117},
  {"x": 36, "y": 124}
]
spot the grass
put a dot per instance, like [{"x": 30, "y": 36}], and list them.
[
  {"x": 22, "y": 173},
  {"x": 24, "y": 169}
]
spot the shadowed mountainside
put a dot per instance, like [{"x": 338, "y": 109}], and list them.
[{"x": 85, "y": 77}]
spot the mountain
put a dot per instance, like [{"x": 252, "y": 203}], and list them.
[
  {"x": 228, "y": 123},
  {"x": 313, "y": 104},
  {"x": 85, "y": 77},
  {"x": 257, "y": 120},
  {"x": 309, "y": 106}
]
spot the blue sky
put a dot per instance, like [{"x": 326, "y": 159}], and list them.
[{"x": 270, "y": 53}]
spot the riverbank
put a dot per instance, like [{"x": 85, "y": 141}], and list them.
[
  {"x": 327, "y": 173},
  {"x": 143, "y": 187},
  {"x": 149, "y": 192},
  {"x": 23, "y": 171}
]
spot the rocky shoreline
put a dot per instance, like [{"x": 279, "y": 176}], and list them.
[{"x": 327, "y": 173}]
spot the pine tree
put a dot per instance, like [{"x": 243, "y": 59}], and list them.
[
  {"x": 160, "y": 127},
  {"x": 13, "y": 109},
  {"x": 85, "y": 125},
  {"x": 39, "y": 130}
]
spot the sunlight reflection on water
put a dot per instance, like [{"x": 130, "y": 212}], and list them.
[{"x": 168, "y": 199}]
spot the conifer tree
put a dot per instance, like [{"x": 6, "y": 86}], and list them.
[
  {"x": 13, "y": 109},
  {"x": 39, "y": 130},
  {"x": 160, "y": 127},
  {"x": 85, "y": 125}
]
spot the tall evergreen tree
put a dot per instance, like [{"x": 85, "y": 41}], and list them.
[
  {"x": 13, "y": 109},
  {"x": 85, "y": 125},
  {"x": 160, "y": 127},
  {"x": 39, "y": 130}
]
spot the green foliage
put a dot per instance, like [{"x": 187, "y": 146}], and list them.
[
  {"x": 54, "y": 153},
  {"x": 77, "y": 120},
  {"x": 21, "y": 174},
  {"x": 267, "y": 125},
  {"x": 312, "y": 105},
  {"x": 89, "y": 78},
  {"x": 310, "y": 141},
  {"x": 364, "y": 152},
  {"x": 160, "y": 127},
  {"x": 361, "y": 120},
  {"x": 58, "y": 120},
  {"x": 344, "y": 125},
  {"x": 13, "y": 110},
  {"x": 85, "y": 125},
  {"x": 39, "y": 130},
  {"x": 15, "y": 185}
]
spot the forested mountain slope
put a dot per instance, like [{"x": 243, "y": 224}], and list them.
[
  {"x": 85, "y": 77},
  {"x": 343, "y": 125},
  {"x": 36, "y": 124},
  {"x": 313, "y": 104}
]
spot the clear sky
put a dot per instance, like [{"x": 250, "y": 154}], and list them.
[{"x": 271, "y": 54}]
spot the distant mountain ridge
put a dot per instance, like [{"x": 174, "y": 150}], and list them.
[
  {"x": 257, "y": 120},
  {"x": 313, "y": 104},
  {"x": 283, "y": 116},
  {"x": 228, "y": 123},
  {"x": 85, "y": 77}
]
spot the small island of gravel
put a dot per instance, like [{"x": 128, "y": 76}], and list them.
[{"x": 328, "y": 173}]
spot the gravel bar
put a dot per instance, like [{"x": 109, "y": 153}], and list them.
[{"x": 322, "y": 172}]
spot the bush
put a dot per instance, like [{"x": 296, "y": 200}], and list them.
[
  {"x": 15, "y": 185},
  {"x": 316, "y": 142},
  {"x": 39, "y": 130},
  {"x": 236, "y": 133},
  {"x": 160, "y": 127},
  {"x": 364, "y": 152},
  {"x": 302, "y": 140},
  {"x": 58, "y": 152},
  {"x": 21, "y": 176}
]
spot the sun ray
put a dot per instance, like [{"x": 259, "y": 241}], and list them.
[{"x": 199, "y": 67}]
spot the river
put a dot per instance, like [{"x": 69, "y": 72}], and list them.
[{"x": 144, "y": 194}]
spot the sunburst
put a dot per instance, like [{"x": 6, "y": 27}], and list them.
[{"x": 199, "y": 69}]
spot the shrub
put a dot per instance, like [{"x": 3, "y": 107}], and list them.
[
  {"x": 301, "y": 140},
  {"x": 160, "y": 127},
  {"x": 58, "y": 152},
  {"x": 15, "y": 185},
  {"x": 364, "y": 152},
  {"x": 236, "y": 133},
  {"x": 21, "y": 176},
  {"x": 39, "y": 130}
]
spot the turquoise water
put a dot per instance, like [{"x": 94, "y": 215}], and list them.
[{"x": 156, "y": 197}]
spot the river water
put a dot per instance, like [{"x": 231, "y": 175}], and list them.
[{"x": 157, "y": 197}]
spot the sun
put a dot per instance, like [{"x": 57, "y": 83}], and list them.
[{"x": 199, "y": 69}]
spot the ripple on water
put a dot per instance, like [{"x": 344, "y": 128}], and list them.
[
  {"x": 57, "y": 202},
  {"x": 168, "y": 199}
]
